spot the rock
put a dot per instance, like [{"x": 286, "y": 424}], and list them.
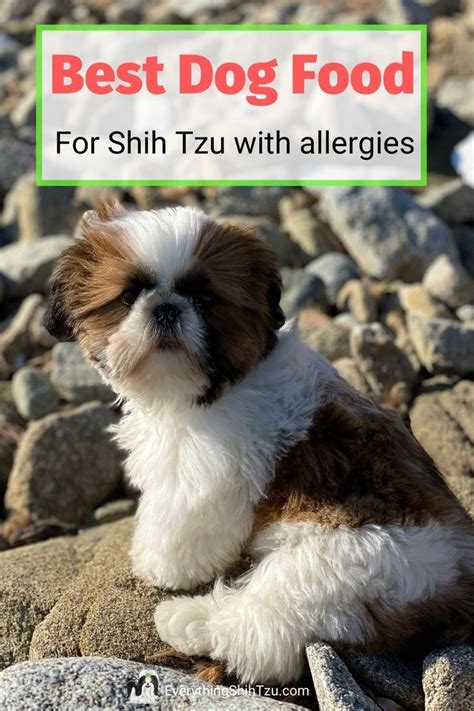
[
  {"x": 386, "y": 232},
  {"x": 357, "y": 297},
  {"x": 416, "y": 300},
  {"x": 464, "y": 235},
  {"x": 39, "y": 211},
  {"x": 25, "y": 111},
  {"x": 405, "y": 12},
  {"x": 276, "y": 239},
  {"x": 447, "y": 679},
  {"x": 16, "y": 158},
  {"x": 305, "y": 231},
  {"x": 451, "y": 201},
  {"x": 97, "y": 682},
  {"x": 391, "y": 676},
  {"x": 322, "y": 335},
  {"x": 15, "y": 340},
  {"x": 455, "y": 94},
  {"x": 66, "y": 464},
  {"x": 306, "y": 291},
  {"x": 466, "y": 312},
  {"x": 27, "y": 270},
  {"x": 335, "y": 686},
  {"x": 442, "y": 346},
  {"x": 246, "y": 201},
  {"x": 8, "y": 51},
  {"x": 350, "y": 371},
  {"x": 448, "y": 281},
  {"x": 33, "y": 393},
  {"x": 442, "y": 421},
  {"x": 335, "y": 269},
  {"x": 74, "y": 379},
  {"x": 32, "y": 580},
  {"x": 112, "y": 511},
  {"x": 385, "y": 367},
  {"x": 104, "y": 610}
]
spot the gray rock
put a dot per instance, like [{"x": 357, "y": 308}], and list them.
[
  {"x": 448, "y": 679},
  {"x": 8, "y": 50},
  {"x": 74, "y": 379},
  {"x": 350, "y": 371},
  {"x": 442, "y": 420},
  {"x": 27, "y": 270},
  {"x": 38, "y": 211},
  {"x": 404, "y": 12},
  {"x": 305, "y": 231},
  {"x": 464, "y": 236},
  {"x": 247, "y": 201},
  {"x": 95, "y": 683},
  {"x": 443, "y": 346},
  {"x": 16, "y": 340},
  {"x": 16, "y": 158},
  {"x": 324, "y": 336},
  {"x": 25, "y": 110},
  {"x": 33, "y": 393},
  {"x": 112, "y": 511},
  {"x": 386, "y": 368},
  {"x": 391, "y": 676},
  {"x": 451, "y": 201},
  {"x": 306, "y": 291},
  {"x": 466, "y": 312},
  {"x": 386, "y": 232},
  {"x": 448, "y": 281},
  {"x": 415, "y": 299},
  {"x": 357, "y": 297},
  {"x": 334, "y": 269},
  {"x": 66, "y": 464},
  {"x": 455, "y": 94},
  {"x": 335, "y": 686}
]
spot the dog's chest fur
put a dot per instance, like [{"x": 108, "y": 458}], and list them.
[{"x": 202, "y": 470}]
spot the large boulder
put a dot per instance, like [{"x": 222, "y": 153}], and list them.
[
  {"x": 66, "y": 464},
  {"x": 385, "y": 231}
]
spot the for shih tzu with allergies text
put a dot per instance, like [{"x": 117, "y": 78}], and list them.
[{"x": 243, "y": 442}]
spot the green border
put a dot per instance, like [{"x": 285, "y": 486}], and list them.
[{"x": 423, "y": 181}]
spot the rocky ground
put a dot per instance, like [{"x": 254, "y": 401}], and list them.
[{"x": 381, "y": 281}]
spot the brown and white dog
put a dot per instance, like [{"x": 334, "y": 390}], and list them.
[{"x": 245, "y": 442}]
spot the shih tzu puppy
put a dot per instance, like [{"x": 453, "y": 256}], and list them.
[{"x": 245, "y": 443}]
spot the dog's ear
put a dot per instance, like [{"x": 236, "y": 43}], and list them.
[
  {"x": 56, "y": 319},
  {"x": 274, "y": 296},
  {"x": 73, "y": 263}
]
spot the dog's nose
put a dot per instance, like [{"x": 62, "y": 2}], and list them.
[{"x": 166, "y": 314}]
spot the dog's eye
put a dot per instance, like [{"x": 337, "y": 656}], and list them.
[
  {"x": 130, "y": 295},
  {"x": 197, "y": 288}
]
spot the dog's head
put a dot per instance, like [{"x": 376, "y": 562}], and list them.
[{"x": 167, "y": 300}]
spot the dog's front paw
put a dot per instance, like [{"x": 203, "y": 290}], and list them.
[{"x": 182, "y": 622}]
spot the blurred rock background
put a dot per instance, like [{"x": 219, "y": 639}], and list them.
[{"x": 381, "y": 281}]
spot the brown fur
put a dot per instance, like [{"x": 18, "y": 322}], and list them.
[
  {"x": 90, "y": 277},
  {"x": 358, "y": 465},
  {"x": 246, "y": 285}
]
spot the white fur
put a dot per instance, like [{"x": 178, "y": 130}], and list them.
[
  {"x": 163, "y": 240},
  {"x": 201, "y": 470},
  {"x": 310, "y": 582}
]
